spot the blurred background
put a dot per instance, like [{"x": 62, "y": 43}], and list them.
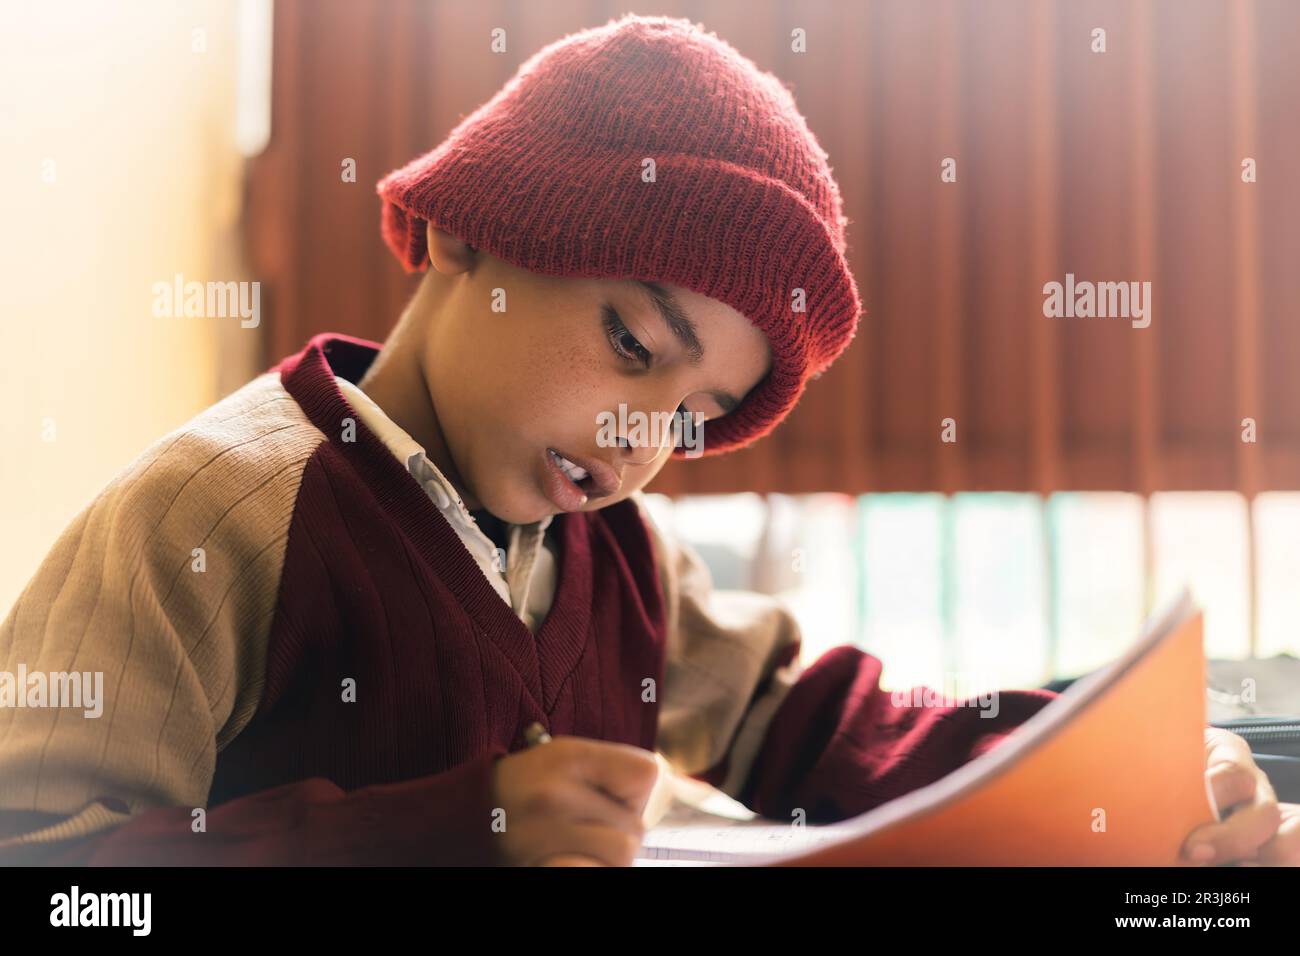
[{"x": 1097, "y": 467}]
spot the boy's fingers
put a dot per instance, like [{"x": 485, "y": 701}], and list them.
[
  {"x": 607, "y": 846},
  {"x": 1231, "y": 783},
  {"x": 590, "y": 804},
  {"x": 1241, "y": 834},
  {"x": 590, "y": 829},
  {"x": 626, "y": 773},
  {"x": 1284, "y": 848}
]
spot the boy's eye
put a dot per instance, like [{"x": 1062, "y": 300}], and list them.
[
  {"x": 625, "y": 344},
  {"x": 627, "y": 347}
]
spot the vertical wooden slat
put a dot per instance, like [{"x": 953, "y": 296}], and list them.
[
  {"x": 1044, "y": 247},
  {"x": 273, "y": 192},
  {"x": 855, "y": 436},
  {"x": 948, "y": 264},
  {"x": 404, "y": 125},
  {"x": 371, "y": 31},
  {"x": 904, "y": 180},
  {"x": 770, "y": 49},
  {"x": 996, "y": 400},
  {"x": 865, "y": 235},
  {"x": 1278, "y": 202},
  {"x": 1146, "y": 393}
]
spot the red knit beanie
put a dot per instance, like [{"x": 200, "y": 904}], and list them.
[{"x": 548, "y": 175}]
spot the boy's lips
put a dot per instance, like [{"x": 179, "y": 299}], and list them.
[{"x": 601, "y": 481}]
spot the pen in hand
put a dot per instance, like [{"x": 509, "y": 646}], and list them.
[{"x": 656, "y": 804}]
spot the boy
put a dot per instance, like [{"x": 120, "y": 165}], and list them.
[{"x": 328, "y": 608}]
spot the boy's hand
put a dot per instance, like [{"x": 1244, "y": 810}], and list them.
[
  {"x": 1255, "y": 828},
  {"x": 574, "y": 801}
]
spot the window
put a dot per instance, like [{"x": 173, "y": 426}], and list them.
[{"x": 979, "y": 590}]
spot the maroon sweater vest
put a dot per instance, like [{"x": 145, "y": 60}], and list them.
[{"x": 378, "y": 588}]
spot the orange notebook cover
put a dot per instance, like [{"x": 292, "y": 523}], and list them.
[{"x": 1112, "y": 773}]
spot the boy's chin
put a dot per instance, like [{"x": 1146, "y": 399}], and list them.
[{"x": 516, "y": 505}]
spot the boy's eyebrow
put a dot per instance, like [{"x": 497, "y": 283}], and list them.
[{"x": 683, "y": 329}]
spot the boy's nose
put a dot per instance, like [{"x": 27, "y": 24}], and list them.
[
  {"x": 648, "y": 425},
  {"x": 638, "y": 455}
]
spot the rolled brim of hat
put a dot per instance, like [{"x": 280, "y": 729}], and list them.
[{"x": 515, "y": 181}]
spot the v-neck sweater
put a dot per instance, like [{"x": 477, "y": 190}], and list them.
[{"x": 446, "y": 676}]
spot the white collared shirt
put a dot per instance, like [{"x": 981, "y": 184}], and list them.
[{"x": 524, "y": 576}]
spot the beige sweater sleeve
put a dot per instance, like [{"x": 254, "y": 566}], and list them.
[
  {"x": 165, "y": 585},
  {"x": 732, "y": 656}
]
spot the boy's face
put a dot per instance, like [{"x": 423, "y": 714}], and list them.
[{"x": 518, "y": 364}]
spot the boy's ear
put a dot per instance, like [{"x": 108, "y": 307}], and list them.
[{"x": 447, "y": 254}]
